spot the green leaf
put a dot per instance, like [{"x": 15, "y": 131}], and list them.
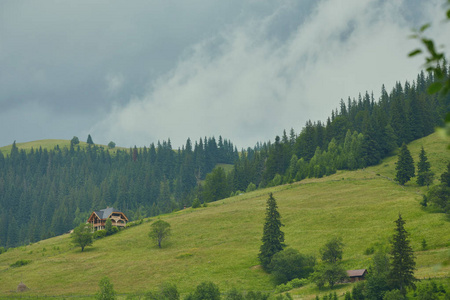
[
  {"x": 434, "y": 87},
  {"x": 415, "y": 52},
  {"x": 424, "y": 27}
]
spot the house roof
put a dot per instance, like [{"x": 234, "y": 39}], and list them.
[
  {"x": 356, "y": 273},
  {"x": 105, "y": 213}
]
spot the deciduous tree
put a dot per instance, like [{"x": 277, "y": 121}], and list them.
[
  {"x": 106, "y": 290},
  {"x": 160, "y": 230},
  {"x": 82, "y": 236}
]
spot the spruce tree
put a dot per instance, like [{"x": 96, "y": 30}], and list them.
[
  {"x": 405, "y": 166},
  {"x": 424, "y": 175},
  {"x": 273, "y": 237},
  {"x": 89, "y": 140},
  {"x": 403, "y": 265}
]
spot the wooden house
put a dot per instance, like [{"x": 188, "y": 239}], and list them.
[
  {"x": 357, "y": 275},
  {"x": 98, "y": 218}
]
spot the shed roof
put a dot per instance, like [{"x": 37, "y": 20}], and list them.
[{"x": 356, "y": 273}]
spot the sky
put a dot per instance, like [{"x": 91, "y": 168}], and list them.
[{"x": 138, "y": 72}]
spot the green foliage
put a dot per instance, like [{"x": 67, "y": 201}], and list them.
[
  {"x": 403, "y": 264},
  {"x": 99, "y": 234},
  {"x": 289, "y": 264},
  {"x": 332, "y": 251},
  {"x": 75, "y": 140},
  {"x": 196, "y": 203},
  {"x": 358, "y": 291},
  {"x": 206, "y": 291},
  {"x": 2, "y": 250},
  {"x": 294, "y": 283},
  {"x": 330, "y": 270},
  {"x": 256, "y": 296},
  {"x": 169, "y": 291},
  {"x": 429, "y": 290},
  {"x": 234, "y": 294},
  {"x": 424, "y": 174},
  {"x": 394, "y": 295},
  {"x": 82, "y": 236},
  {"x": 434, "y": 59},
  {"x": 251, "y": 187},
  {"x": 89, "y": 140},
  {"x": 106, "y": 291},
  {"x": 160, "y": 230},
  {"x": 216, "y": 186},
  {"x": 273, "y": 237},
  {"x": 328, "y": 273},
  {"x": 20, "y": 263},
  {"x": 424, "y": 244},
  {"x": 405, "y": 166},
  {"x": 377, "y": 278},
  {"x": 439, "y": 195},
  {"x": 111, "y": 145},
  {"x": 108, "y": 226}
]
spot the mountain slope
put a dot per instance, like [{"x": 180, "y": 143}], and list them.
[{"x": 220, "y": 243}]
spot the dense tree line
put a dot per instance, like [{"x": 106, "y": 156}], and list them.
[
  {"x": 48, "y": 192},
  {"x": 358, "y": 134}
]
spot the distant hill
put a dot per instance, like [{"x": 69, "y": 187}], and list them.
[
  {"x": 220, "y": 243},
  {"x": 50, "y": 144}
]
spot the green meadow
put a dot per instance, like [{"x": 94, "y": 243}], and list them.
[{"x": 220, "y": 242}]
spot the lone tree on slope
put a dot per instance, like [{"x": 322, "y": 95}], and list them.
[
  {"x": 160, "y": 231},
  {"x": 424, "y": 174},
  {"x": 82, "y": 236},
  {"x": 403, "y": 265},
  {"x": 273, "y": 237},
  {"x": 405, "y": 166}
]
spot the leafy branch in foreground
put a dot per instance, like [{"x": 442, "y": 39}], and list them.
[{"x": 435, "y": 59}]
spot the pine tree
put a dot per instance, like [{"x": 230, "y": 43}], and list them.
[
  {"x": 403, "y": 265},
  {"x": 273, "y": 237},
  {"x": 89, "y": 140},
  {"x": 424, "y": 174},
  {"x": 405, "y": 166}
]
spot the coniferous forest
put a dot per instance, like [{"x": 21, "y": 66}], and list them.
[{"x": 44, "y": 192}]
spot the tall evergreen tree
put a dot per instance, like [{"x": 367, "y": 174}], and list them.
[
  {"x": 89, "y": 140},
  {"x": 424, "y": 174},
  {"x": 403, "y": 265},
  {"x": 405, "y": 166},
  {"x": 273, "y": 237}
]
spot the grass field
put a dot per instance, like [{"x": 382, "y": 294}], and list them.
[{"x": 220, "y": 243}]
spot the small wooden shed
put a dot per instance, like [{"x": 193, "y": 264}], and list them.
[{"x": 357, "y": 275}]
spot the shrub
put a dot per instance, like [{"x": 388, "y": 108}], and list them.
[
  {"x": 251, "y": 187},
  {"x": 2, "y": 250},
  {"x": 206, "y": 291},
  {"x": 106, "y": 290},
  {"x": 196, "y": 203},
  {"x": 289, "y": 264},
  {"x": 20, "y": 263},
  {"x": 99, "y": 234},
  {"x": 234, "y": 294},
  {"x": 369, "y": 250}
]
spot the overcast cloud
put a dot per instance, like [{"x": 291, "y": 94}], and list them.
[{"x": 135, "y": 72}]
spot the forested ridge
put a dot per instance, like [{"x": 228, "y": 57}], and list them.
[{"x": 47, "y": 192}]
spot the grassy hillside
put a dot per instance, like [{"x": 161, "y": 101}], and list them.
[{"x": 220, "y": 243}]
